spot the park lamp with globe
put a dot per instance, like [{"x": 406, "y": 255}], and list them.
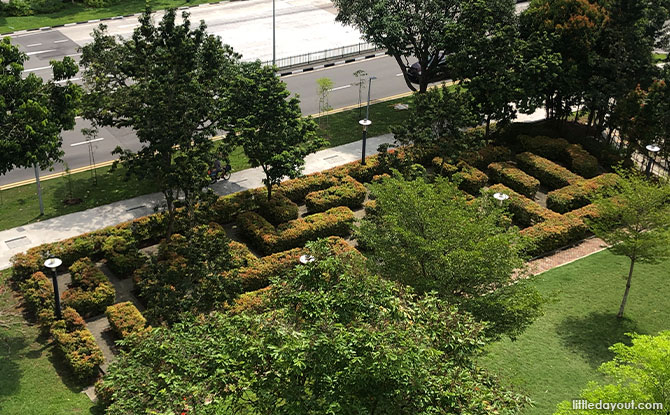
[
  {"x": 652, "y": 149},
  {"x": 53, "y": 264}
]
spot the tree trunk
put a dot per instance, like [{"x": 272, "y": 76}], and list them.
[
  {"x": 403, "y": 69},
  {"x": 488, "y": 126},
  {"x": 625, "y": 294},
  {"x": 269, "y": 187},
  {"x": 171, "y": 216}
]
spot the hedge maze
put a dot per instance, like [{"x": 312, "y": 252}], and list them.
[{"x": 317, "y": 206}]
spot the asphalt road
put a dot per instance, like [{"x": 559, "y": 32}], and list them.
[{"x": 311, "y": 22}]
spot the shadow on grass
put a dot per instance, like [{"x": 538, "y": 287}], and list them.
[
  {"x": 590, "y": 336},
  {"x": 10, "y": 348}
]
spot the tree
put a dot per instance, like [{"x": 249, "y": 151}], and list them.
[
  {"x": 424, "y": 30},
  {"x": 438, "y": 119},
  {"x": 323, "y": 88},
  {"x": 634, "y": 220},
  {"x": 640, "y": 372},
  {"x": 169, "y": 84},
  {"x": 33, "y": 113},
  {"x": 488, "y": 60},
  {"x": 429, "y": 237},
  {"x": 269, "y": 125},
  {"x": 361, "y": 78},
  {"x": 326, "y": 338}
]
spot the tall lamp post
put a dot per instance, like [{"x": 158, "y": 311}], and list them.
[
  {"x": 500, "y": 197},
  {"x": 53, "y": 264},
  {"x": 366, "y": 122},
  {"x": 652, "y": 149},
  {"x": 274, "y": 56}
]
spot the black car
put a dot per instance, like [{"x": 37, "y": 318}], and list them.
[{"x": 440, "y": 72}]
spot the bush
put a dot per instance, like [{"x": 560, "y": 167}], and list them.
[
  {"x": 241, "y": 256},
  {"x": 77, "y": 344},
  {"x": 551, "y": 148},
  {"x": 554, "y": 234},
  {"x": 580, "y": 161},
  {"x": 297, "y": 189},
  {"x": 125, "y": 319},
  {"x": 525, "y": 212},
  {"x": 550, "y": 174},
  {"x": 362, "y": 173},
  {"x": 122, "y": 255},
  {"x": 18, "y": 8},
  {"x": 38, "y": 293},
  {"x": 47, "y": 6},
  {"x": 278, "y": 210},
  {"x": 487, "y": 155},
  {"x": 514, "y": 178},
  {"x": 349, "y": 193},
  {"x": 261, "y": 234},
  {"x": 90, "y": 292},
  {"x": 579, "y": 194},
  {"x": 443, "y": 168},
  {"x": 470, "y": 179},
  {"x": 226, "y": 208}
]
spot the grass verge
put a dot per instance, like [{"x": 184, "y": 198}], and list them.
[
  {"x": 71, "y": 13},
  {"x": 558, "y": 354},
  {"x": 34, "y": 380},
  {"x": 19, "y": 206},
  {"x": 659, "y": 57}
]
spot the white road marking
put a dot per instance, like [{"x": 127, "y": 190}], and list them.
[
  {"x": 65, "y": 80},
  {"x": 61, "y": 41},
  {"x": 86, "y": 142},
  {"x": 40, "y": 51},
  {"x": 36, "y": 69},
  {"x": 128, "y": 25},
  {"x": 340, "y": 87},
  {"x": 398, "y": 74},
  {"x": 74, "y": 54},
  {"x": 34, "y": 44}
]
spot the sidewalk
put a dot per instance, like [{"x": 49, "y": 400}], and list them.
[{"x": 13, "y": 241}]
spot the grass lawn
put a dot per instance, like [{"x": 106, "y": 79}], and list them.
[
  {"x": 19, "y": 206},
  {"x": 33, "y": 379},
  {"x": 79, "y": 13},
  {"x": 556, "y": 357},
  {"x": 659, "y": 57}
]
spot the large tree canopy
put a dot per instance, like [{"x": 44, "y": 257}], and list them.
[
  {"x": 430, "y": 237},
  {"x": 327, "y": 338},
  {"x": 169, "y": 84}
]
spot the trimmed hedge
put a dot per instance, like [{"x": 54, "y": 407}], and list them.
[
  {"x": 579, "y": 194},
  {"x": 261, "y": 234},
  {"x": 298, "y": 189},
  {"x": 77, "y": 344},
  {"x": 349, "y": 193},
  {"x": 525, "y": 212},
  {"x": 554, "y": 234},
  {"x": 487, "y": 155},
  {"x": 509, "y": 175},
  {"x": 549, "y": 173},
  {"x": 241, "y": 256},
  {"x": 470, "y": 179},
  {"x": 581, "y": 161},
  {"x": 38, "y": 295},
  {"x": 226, "y": 208},
  {"x": 277, "y": 210},
  {"x": 443, "y": 168},
  {"x": 90, "y": 291},
  {"x": 125, "y": 319},
  {"x": 362, "y": 173},
  {"x": 548, "y": 147},
  {"x": 122, "y": 255}
]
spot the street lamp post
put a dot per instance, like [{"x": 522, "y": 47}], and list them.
[
  {"x": 53, "y": 264},
  {"x": 274, "y": 56},
  {"x": 500, "y": 197},
  {"x": 306, "y": 259},
  {"x": 652, "y": 149},
  {"x": 366, "y": 122}
]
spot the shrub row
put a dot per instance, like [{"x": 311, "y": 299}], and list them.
[
  {"x": 38, "y": 296},
  {"x": 268, "y": 239},
  {"x": 525, "y": 212},
  {"x": 125, "y": 319},
  {"x": 487, "y": 155},
  {"x": 360, "y": 172},
  {"x": 548, "y": 147},
  {"x": 298, "y": 189},
  {"x": 122, "y": 255},
  {"x": 241, "y": 256},
  {"x": 514, "y": 178},
  {"x": 443, "y": 168},
  {"x": 555, "y": 233},
  {"x": 578, "y": 194},
  {"x": 581, "y": 161},
  {"x": 349, "y": 193},
  {"x": 77, "y": 344},
  {"x": 470, "y": 179},
  {"x": 549, "y": 173},
  {"x": 90, "y": 291},
  {"x": 278, "y": 209}
]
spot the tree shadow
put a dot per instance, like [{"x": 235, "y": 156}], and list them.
[
  {"x": 590, "y": 336},
  {"x": 11, "y": 348}
]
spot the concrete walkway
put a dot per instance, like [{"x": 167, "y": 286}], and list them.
[{"x": 13, "y": 241}]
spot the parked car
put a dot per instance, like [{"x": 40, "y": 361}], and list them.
[{"x": 439, "y": 74}]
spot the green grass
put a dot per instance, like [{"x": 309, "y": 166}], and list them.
[
  {"x": 343, "y": 127},
  {"x": 659, "y": 57},
  {"x": 79, "y": 13},
  {"x": 33, "y": 380},
  {"x": 556, "y": 357},
  {"x": 19, "y": 206}
]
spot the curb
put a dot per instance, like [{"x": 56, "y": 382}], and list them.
[
  {"x": 102, "y": 19},
  {"x": 331, "y": 64}
]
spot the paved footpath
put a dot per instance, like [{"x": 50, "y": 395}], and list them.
[
  {"x": 562, "y": 257},
  {"x": 13, "y": 241}
]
